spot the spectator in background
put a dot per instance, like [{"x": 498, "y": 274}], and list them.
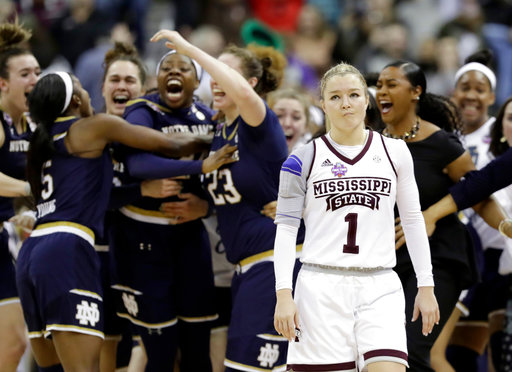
[
  {"x": 280, "y": 15},
  {"x": 313, "y": 33},
  {"x": 497, "y": 33},
  {"x": 387, "y": 43},
  {"x": 78, "y": 29},
  {"x": 446, "y": 62},
  {"x": 87, "y": 66},
  {"x": 133, "y": 12},
  {"x": 210, "y": 39}
]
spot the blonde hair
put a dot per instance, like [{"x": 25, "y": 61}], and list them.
[
  {"x": 290, "y": 93},
  {"x": 342, "y": 69}
]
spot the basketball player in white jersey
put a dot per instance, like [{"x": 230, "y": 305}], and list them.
[{"x": 349, "y": 309}]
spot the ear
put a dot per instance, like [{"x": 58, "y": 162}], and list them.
[
  {"x": 417, "y": 93},
  {"x": 492, "y": 98},
  {"x": 76, "y": 100},
  {"x": 4, "y": 85},
  {"x": 196, "y": 84},
  {"x": 253, "y": 81},
  {"x": 322, "y": 102}
]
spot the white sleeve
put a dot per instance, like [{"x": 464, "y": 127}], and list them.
[
  {"x": 292, "y": 185},
  {"x": 284, "y": 255},
  {"x": 290, "y": 204},
  {"x": 412, "y": 221}
]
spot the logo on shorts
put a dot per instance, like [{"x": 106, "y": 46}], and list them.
[
  {"x": 268, "y": 355},
  {"x": 87, "y": 314},
  {"x": 131, "y": 304}
]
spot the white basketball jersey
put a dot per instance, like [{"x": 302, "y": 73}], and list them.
[
  {"x": 477, "y": 143},
  {"x": 354, "y": 199}
]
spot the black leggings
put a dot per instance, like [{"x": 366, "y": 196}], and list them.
[{"x": 447, "y": 290}]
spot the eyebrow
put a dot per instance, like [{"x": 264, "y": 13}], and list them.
[{"x": 350, "y": 90}]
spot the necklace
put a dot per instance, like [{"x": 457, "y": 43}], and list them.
[{"x": 407, "y": 135}]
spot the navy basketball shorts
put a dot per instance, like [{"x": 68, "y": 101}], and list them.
[
  {"x": 164, "y": 272},
  {"x": 490, "y": 294},
  {"x": 253, "y": 343},
  {"x": 58, "y": 278},
  {"x": 8, "y": 292},
  {"x": 114, "y": 325}
]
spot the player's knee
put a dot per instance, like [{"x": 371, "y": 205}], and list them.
[{"x": 13, "y": 351}]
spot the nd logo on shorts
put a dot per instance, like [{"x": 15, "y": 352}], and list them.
[
  {"x": 87, "y": 313},
  {"x": 269, "y": 354}
]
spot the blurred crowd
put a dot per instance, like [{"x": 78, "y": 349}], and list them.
[{"x": 314, "y": 34}]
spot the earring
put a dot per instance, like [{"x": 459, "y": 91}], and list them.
[
  {"x": 417, "y": 98},
  {"x": 503, "y": 139}
]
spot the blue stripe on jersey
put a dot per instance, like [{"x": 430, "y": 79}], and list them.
[
  {"x": 287, "y": 215},
  {"x": 292, "y": 165}
]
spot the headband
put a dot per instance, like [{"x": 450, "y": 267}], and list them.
[
  {"x": 197, "y": 66},
  {"x": 475, "y": 66},
  {"x": 66, "y": 78}
]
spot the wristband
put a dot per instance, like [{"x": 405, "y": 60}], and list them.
[
  {"x": 501, "y": 225},
  {"x": 28, "y": 190}
]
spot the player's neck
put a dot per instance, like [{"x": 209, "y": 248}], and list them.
[
  {"x": 354, "y": 137},
  {"x": 231, "y": 115}
]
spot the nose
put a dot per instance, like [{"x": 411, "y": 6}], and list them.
[
  {"x": 345, "y": 102},
  {"x": 286, "y": 121},
  {"x": 33, "y": 78}
]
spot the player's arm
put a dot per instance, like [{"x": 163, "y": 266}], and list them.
[
  {"x": 89, "y": 136},
  {"x": 240, "y": 90},
  {"x": 290, "y": 202},
  {"x": 12, "y": 187},
  {"x": 413, "y": 224}
]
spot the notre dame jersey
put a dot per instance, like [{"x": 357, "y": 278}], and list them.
[{"x": 74, "y": 189}]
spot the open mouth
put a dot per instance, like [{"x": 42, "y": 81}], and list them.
[
  {"x": 174, "y": 89},
  {"x": 120, "y": 99},
  {"x": 386, "y": 106},
  {"x": 218, "y": 93}
]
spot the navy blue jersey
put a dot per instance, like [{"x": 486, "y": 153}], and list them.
[
  {"x": 13, "y": 156},
  {"x": 150, "y": 111},
  {"x": 240, "y": 190},
  {"x": 74, "y": 189}
]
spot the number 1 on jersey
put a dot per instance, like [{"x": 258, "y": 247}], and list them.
[{"x": 351, "y": 246}]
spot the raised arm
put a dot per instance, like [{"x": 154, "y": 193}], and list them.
[{"x": 236, "y": 86}]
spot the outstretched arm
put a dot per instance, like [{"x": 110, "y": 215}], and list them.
[
  {"x": 12, "y": 187},
  {"x": 89, "y": 136},
  {"x": 237, "y": 87}
]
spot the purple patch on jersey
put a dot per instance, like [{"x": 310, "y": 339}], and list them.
[
  {"x": 292, "y": 165},
  {"x": 339, "y": 170},
  {"x": 486, "y": 139}
]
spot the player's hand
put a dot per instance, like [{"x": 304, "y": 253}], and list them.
[
  {"x": 161, "y": 188},
  {"x": 286, "y": 316},
  {"x": 216, "y": 159},
  {"x": 506, "y": 227},
  {"x": 24, "y": 221},
  {"x": 175, "y": 41},
  {"x": 399, "y": 234},
  {"x": 190, "y": 208},
  {"x": 269, "y": 209},
  {"x": 426, "y": 304}
]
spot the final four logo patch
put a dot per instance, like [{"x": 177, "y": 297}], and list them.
[{"x": 339, "y": 170}]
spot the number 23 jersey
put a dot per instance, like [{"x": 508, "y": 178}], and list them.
[{"x": 240, "y": 190}]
